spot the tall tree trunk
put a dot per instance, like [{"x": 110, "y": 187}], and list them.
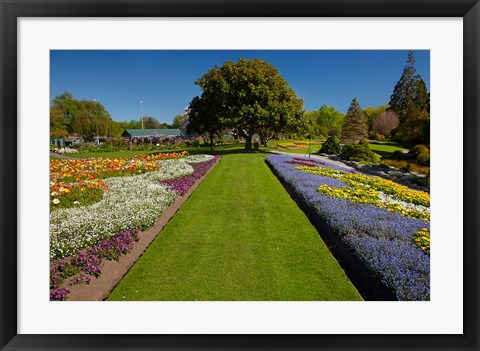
[
  {"x": 248, "y": 142},
  {"x": 211, "y": 142}
]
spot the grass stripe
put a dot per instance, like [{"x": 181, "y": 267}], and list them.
[{"x": 239, "y": 237}]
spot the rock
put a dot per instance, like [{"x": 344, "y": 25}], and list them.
[
  {"x": 351, "y": 164},
  {"x": 383, "y": 174},
  {"x": 396, "y": 174}
]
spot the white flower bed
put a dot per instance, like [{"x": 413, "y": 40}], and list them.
[
  {"x": 130, "y": 202},
  {"x": 170, "y": 169},
  {"x": 65, "y": 150},
  {"x": 386, "y": 199},
  {"x": 198, "y": 158}
]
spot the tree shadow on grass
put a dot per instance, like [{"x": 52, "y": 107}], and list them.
[{"x": 227, "y": 151}]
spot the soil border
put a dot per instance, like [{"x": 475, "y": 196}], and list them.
[{"x": 114, "y": 271}]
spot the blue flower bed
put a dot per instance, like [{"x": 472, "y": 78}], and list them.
[{"x": 382, "y": 240}]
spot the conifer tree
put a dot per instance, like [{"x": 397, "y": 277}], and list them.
[
  {"x": 411, "y": 101},
  {"x": 422, "y": 96},
  {"x": 355, "y": 126}
]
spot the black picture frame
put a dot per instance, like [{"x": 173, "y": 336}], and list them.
[{"x": 10, "y": 10}]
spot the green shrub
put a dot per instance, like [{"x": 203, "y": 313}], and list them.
[
  {"x": 115, "y": 142},
  {"x": 375, "y": 136},
  {"x": 407, "y": 168},
  {"x": 423, "y": 159},
  {"x": 359, "y": 152},
  {"x": 419, "y": 150},
  {"x": 331, "y": 146},
  {"x": 422, "y": 153},
  {"x": 397, "y": 154}
]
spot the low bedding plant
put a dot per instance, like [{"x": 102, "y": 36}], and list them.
[
  {"x": 75, "y": 183},
  {"x": 385, "y": 224},
  {"x": 130, "y": 201}
]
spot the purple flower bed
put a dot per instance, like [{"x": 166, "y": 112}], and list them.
[
  {"x": 86, "y": 266},
  {"x": 181, "y": 185},
  {"x": 382, "y": 240}
]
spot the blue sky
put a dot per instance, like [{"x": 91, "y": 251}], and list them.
[{"x": 164, "y": 79}]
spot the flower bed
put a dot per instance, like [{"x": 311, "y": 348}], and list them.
[
  {"x": 200, "y": 166},
  {"x": 130, "y": 202},
  {"x": 84, "y": 267},
  {"x": 103, "y": 229},
  {"x": 292, "y": 145},
  {"x": 72, "y": 182},
  {"x": 387, "y": 241}
]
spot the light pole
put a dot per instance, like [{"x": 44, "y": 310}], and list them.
[{"x": 141, "y": 110}]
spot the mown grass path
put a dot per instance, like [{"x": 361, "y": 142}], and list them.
[{"x": 239, "y": 237}]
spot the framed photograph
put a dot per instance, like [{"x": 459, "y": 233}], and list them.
[{"x": 37, "y": 37}]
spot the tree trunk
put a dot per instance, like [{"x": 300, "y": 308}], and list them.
[
  {"x": 248, "y": 142},
  {"x": 211, "y": 143}
]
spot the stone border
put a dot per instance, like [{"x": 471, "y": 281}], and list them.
[{"x": 114, "y": 271}]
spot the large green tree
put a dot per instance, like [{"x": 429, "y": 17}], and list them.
[
  {"x": 330, "y": 120},
  {"x": 355, "y": 125},
  {"x": 84, "y": 117},
  {"x": 325, "y": 121},
  {"x": 91, "y": 119},
  {"x": 204, "y": 119},
  {"x": 66, "y": 104},
  {"x": 403, "y": 96},
  {"x": 58, "y": 123},
  {"x": 249, "y": 96}
]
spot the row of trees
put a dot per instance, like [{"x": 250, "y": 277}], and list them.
[
  {"x": 250, "y": 97},
  {"x": 328, "y": 121},
  {"x": 90, "y": 118},
  {"x": 406, "y": 117}
]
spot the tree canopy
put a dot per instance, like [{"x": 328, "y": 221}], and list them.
[
  {"x": 177, "y": 121},
  {"x": 373, "y": 112},
  {"x": 150, "y": 123},
  {"x": 385, "y": 122},
  {"x": 249, "y": 96},
  {"x": 88, "y": 118},
  {"x": 325, "y": 121},
  {"x": 84, "y": 117}
]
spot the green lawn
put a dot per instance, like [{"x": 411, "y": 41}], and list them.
[
  {"x": 385, "y": 148},
  {"x": 114, "y": 154},
  {"x": 240, "y": 237},
  {"x": 192, "y": 150}
]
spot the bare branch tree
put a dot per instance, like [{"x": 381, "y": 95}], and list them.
[{"x": 385, "y": 123}]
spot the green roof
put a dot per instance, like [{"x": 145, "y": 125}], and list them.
[{"x": 149, "y": 132}]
